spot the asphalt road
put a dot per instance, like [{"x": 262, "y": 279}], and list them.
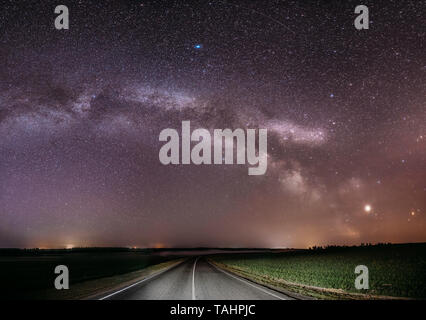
[{"x": 195, "y": 279}]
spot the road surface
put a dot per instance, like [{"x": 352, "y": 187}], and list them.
[{"x": 195, "y": 279}]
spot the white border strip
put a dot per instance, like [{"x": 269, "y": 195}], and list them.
[
  {"x": 140, "y": 281},
  {"x": 193, "y": 279},
  {"x": 246, "y": 282}
]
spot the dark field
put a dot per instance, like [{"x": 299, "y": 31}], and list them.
[
  {"x": 394, "y": 270},
  {"x": 28, "y": 274}
]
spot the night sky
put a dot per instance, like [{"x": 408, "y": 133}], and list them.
[{"x": 81, "y": 111}]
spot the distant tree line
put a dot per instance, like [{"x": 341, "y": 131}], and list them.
[{"x": 362, "y": 245}]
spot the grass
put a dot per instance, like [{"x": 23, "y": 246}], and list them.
[
  {"x": 394, "y": 270},
  {"x": 30, "y": 274},
  {"x": 94, "y": 289}
]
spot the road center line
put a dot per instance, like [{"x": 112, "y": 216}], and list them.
[
  {"x": 193, "y": 279},
  {"x": 246, "y": 282}
]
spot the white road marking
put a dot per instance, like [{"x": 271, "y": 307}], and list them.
[
  {"x": 134, "y": 284},
  {"x": 193, "y": 279},
  {"x": 250, "y": 284}
]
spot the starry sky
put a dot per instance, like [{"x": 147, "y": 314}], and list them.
[{"x": 81, "y": 111}]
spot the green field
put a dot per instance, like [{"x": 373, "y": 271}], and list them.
[
  {"x": 28, "y": 274},
  {"x": 394, "y": 270}
]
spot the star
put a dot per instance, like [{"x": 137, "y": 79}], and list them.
[{"x": 80, "y": 119}]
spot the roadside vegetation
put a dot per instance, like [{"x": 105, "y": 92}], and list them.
[
  {"x": 29, "y": 274},
  {"x": 397, "y": 270}
]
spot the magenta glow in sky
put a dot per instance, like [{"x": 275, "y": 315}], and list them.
[{"x": 81, "y": 111}]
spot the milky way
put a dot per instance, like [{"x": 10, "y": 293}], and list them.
[{"x": 81, "y": 111}]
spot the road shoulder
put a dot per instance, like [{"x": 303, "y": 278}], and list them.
[
  {"x": 99, "y": 288},
  {"x": 300, "y": 291},
  {"x": 259, "y": 281}
]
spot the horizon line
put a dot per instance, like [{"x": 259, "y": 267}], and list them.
[{"x": 212, "y": 248}]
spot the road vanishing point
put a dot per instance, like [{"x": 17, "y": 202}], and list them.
[{"x": 195, "y": 279}]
